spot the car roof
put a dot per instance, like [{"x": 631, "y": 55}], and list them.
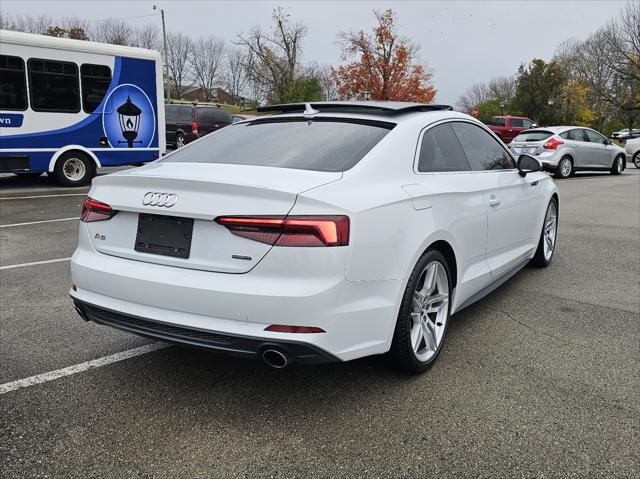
[{"x": 374, "y": 107}]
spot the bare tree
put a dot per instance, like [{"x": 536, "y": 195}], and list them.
[
  {"x": 206, "y": 57},
  {"x": 327, "y": 81},
  {"x": 147, "y": 36},
  {"x": 180, "y": 47},
  {"x": 473, "y": 96},
  {"x": 276, "y": 55},
  {"x": 501, "y": 88},
  {"x": 235, "y": 71},
  {"x": 27, "y": 23},
  {"x": 113, "y": 30}
]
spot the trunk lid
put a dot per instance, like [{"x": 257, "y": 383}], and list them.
[{"x": 204, "y": 191}]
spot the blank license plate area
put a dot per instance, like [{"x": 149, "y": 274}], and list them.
[{"x": 164, "y": 235}]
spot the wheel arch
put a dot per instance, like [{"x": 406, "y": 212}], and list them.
[
  {"x": 68, "y": 148},
  {"x": 447, "y": 251}
]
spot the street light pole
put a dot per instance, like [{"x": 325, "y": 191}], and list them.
[{"x": 166, "y": 56}]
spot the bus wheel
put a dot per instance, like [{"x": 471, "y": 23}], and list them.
[{"x": 74, "y": 168}]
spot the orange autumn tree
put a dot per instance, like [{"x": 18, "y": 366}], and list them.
[{"x": 384, "y": 66}]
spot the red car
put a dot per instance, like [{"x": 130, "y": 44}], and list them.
[{"x": 508, "y": 127}]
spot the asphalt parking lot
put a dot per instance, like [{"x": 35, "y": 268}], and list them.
[{"x": 539, "y": 379}]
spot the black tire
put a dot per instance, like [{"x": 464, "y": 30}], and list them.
[
  {"x": 74, "y": 168},
  {"x": 401, "y": 349},
  {"x": 564, "y": 172},
  {"x": 636, "y": 159},
  {"x": 540, "y": 259},
  {"x": 618, "y": 166},
  {"x": 180, "y": 140}
]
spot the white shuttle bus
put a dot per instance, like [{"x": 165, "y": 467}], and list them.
[{"x": 69, "y": 107}]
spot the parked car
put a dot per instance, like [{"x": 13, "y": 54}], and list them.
[
  {"x": 632, "y": 147},
  {"x": 567, "y": 149},
  {"x": 236, "y": 118},
  {"x": 185, "y": 123},
  {"x": 617, "y": 135},
  {"x": 295, "y": 238},
  {"x": 508, "y": 127}
]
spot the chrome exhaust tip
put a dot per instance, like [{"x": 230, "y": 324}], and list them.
[{"x": 274, "y": 358}]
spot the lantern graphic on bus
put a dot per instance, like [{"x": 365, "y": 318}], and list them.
[{"x": 128, "y": 118}]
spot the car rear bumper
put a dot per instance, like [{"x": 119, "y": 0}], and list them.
[
  {"x": 358, "y": 317},
  {"x": 231, "y": 344}
]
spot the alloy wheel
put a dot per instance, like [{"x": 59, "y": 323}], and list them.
[
  {"x": 565, "y": 167},
  {"x": 430, "y": 311},
  {"x": 550, "y": 230}
]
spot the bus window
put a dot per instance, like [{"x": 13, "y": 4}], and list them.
[
  {"x": 13, "y": 84},
  {"x": 53, "y": 86},
  {"x": 95, "y": 80}
]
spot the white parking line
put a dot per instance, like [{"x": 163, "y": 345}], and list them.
[
  {"x": 39, "y": 196},
  {"x": 78, "y": 368},
  {"x": 38, "y": 222},
  {"x": 35, "y": 263}
]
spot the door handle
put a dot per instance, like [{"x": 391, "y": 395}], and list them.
[{"x": 494, "y": 201}]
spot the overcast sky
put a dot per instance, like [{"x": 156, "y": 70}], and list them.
[{"x": 463, "y": 42}]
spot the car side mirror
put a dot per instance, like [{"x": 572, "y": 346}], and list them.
[
  {"x": 607, "y": 141},
  {"x": 528, "y": 164}
]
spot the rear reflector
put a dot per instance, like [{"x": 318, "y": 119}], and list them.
[
  {"x": 93, "y": 210},
  {"x": 281, "y": 328},
  {"x": 552, "y": 144},
  {"x": 290, "y": 230}
]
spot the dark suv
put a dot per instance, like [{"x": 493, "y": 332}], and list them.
[{"x": 185, "y": 123}]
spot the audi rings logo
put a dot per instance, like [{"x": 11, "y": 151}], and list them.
[{"x": 155, "y": 198}]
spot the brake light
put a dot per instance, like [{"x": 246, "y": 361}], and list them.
[
  {"x": 552, "y": 144},
  {"x": 281, "y": 328},
  {"x": 290, "y": 230},
  {"x": 194, "y": 127},
  {"x": 93, "y": 210}
]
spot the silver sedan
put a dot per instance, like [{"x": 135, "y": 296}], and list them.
[{"x": 567, "y": 149}]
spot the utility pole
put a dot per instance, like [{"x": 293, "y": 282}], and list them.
[{"x": 166, "y": 55}]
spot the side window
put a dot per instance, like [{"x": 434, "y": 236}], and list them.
[
  {"x": 440, "y": 150},
  {"x": 184, "y": 114},
  {"x": 481, "y": 149},
  {"x": 206, "y": 115},
  {"x": 53, "y": 86},
  {"x": 497, "y": 121},
  {"x": 170, "y": 114},
  {"x": 516, "y": 123},
  {"x": 594, "y": 137},
  {"x": 527, "y": 123},
  {"x": 574, "y": 135},
  {"x": 13, "y": 83},
  {"x": 95, "y": 80}
]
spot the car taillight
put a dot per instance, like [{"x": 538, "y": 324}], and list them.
[
  {"x": 93, "y": 210},
  {"x": 194, "y": 127},
  {"x": 552, "y": 144},
  {"x": 290, "y": 230}
]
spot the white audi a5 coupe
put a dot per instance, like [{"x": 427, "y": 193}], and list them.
[
  {"x": 567, "y": 149},
  {"x": 320, "y": 232}
]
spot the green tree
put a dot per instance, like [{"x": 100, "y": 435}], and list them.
[{"x": 537, "y": 84}]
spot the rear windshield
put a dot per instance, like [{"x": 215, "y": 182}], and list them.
[
  {"x": 319, "y": 145},
  {"x": 533, "y": 135}
]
